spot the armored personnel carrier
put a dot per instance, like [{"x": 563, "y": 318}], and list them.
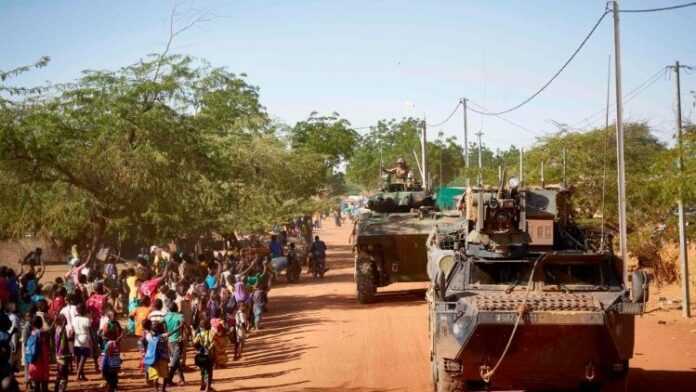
[
  {"x": 524, "y": 298},
  {"x": 389, "y": 239}
]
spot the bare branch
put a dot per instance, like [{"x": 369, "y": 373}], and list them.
[
  {"x": 173, "y": 33},
  {"x": 202, "y": 17}
]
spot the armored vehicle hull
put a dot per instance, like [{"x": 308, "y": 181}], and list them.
[
  {"x": 562, "y": 342},
  {"x": 390, "y": 247},
  {"x": 520, "y": 299}
]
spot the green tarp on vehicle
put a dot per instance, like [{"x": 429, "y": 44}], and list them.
[{"x": 446, "y": 197}]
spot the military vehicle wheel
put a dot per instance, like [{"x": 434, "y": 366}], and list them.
[
  {"x": 366, "y": 288},
  {"x": 617, "y": 385}
]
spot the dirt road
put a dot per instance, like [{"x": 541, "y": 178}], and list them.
[{"x": 317, "y": 338}]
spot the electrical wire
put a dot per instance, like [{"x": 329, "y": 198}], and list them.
[
  {"x": 670, "y": 8},
  {"x": 635, "y": 92},
  {"x": 443, "y": 122},
  {"x": 555, "y": 75},
  {"x": 522, "y": 127}
]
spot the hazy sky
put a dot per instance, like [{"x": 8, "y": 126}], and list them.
[{"x": 369, "y": 60}]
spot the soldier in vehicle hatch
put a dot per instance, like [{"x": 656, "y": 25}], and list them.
[{"x": 400, "y": 171}]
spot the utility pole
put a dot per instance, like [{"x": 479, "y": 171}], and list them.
[
  {"x": 621, "y": 178},
  {"x": 683, "y": 257},
  {"x": 466, "y": 140},
  {"x": 521, "y": 167},
  {"x": 541, "y": 170},
  {"x": 565, "y": 182},
  {"x": 479, "y": 219},
  {"x": 424, "y": 156},
  {"x": 480, "y": 162}
]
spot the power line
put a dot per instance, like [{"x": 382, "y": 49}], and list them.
[
  {"x": 555, "y": 75},
  {"x": 443, "y": 122},
  {"x": 627, "y": 98},
  {"x": 672, "y": 7},
  {"x": 522, "y": 127}
]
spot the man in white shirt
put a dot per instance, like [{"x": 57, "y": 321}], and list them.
[
  {"x": 157, "y": 314},
  {"x": 69, "y": 311}
]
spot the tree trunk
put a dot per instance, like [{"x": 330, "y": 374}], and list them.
[{"x": 99, "y": 224}]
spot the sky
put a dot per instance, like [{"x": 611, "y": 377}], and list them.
[{"x": 372, "y": 60}]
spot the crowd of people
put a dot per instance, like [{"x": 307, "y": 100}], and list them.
[{"x": 167, "y": 301}]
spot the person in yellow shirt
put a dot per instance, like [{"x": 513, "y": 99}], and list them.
[
  {"x": 205, "y": 347},
  {"x": 139, "y": 315},
  {"x": 133, "y": 284}
]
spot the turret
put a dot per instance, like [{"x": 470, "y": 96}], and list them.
[{"x": 400, "y": 197}]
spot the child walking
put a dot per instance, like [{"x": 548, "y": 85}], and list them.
[
  {"x": 82, "y": 327},
  {"x": 63, "y": 354},
  {"x": 240, "y": 329},
  {"x": 205, "y": 346},
  {"x": 111, "y": 354},
  {"x": 36, "y": 357},
  {"x": 157, "y": 357}
]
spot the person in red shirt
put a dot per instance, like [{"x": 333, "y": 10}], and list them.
[
  {"x": 4, "y": 289},
  {"x": 58, "y": 302},
  {"x": 39, "y": 369},
  {"x": 96, "y": 302}
]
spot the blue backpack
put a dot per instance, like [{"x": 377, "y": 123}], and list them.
[
  {"x": 152, "y": 352},
  {"x": 32, "y": 349}
]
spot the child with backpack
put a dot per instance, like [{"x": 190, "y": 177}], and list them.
[
  {"x": 111, "y": 353},
  {"x": 205, "y": 354},
  {"x": 157, "y": 357},
  {"x": 36, "y": 357},
  {"x": 61, "y": 343}
]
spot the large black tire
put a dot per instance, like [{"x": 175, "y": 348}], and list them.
[
  {"x": 366, "y": 288},
  {"x": 619, "y": 384}
]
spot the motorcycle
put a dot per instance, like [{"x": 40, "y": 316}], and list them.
[
  {"x": 317, "y": 265},
  {"x": 288, "y": 265}
]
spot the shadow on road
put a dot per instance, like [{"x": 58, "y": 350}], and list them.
[
  {"x": 641, "y": 380},
  {"x": 346, "y": 388},
  {"x": 290, "y": 386},
  {"x": 415, "y": 297}
]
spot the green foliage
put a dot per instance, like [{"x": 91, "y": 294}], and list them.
[
  {"x": 381, "y": 147},
  {"x": 591, "y": 167},
  {"x": 167, "y": 147},
  {"x": 390, "y": 140},
  {"x": 330, "y": 136}
]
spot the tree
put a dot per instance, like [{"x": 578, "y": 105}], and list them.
[
  {"x": 331, "y": 136},
  {"x": 382, "y": 146},
  {"x": 156, "y": 149},
  {"x": 390, "y": 140}
]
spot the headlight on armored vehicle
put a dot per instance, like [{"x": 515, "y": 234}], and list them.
[{"x": 446, "y": 263}]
